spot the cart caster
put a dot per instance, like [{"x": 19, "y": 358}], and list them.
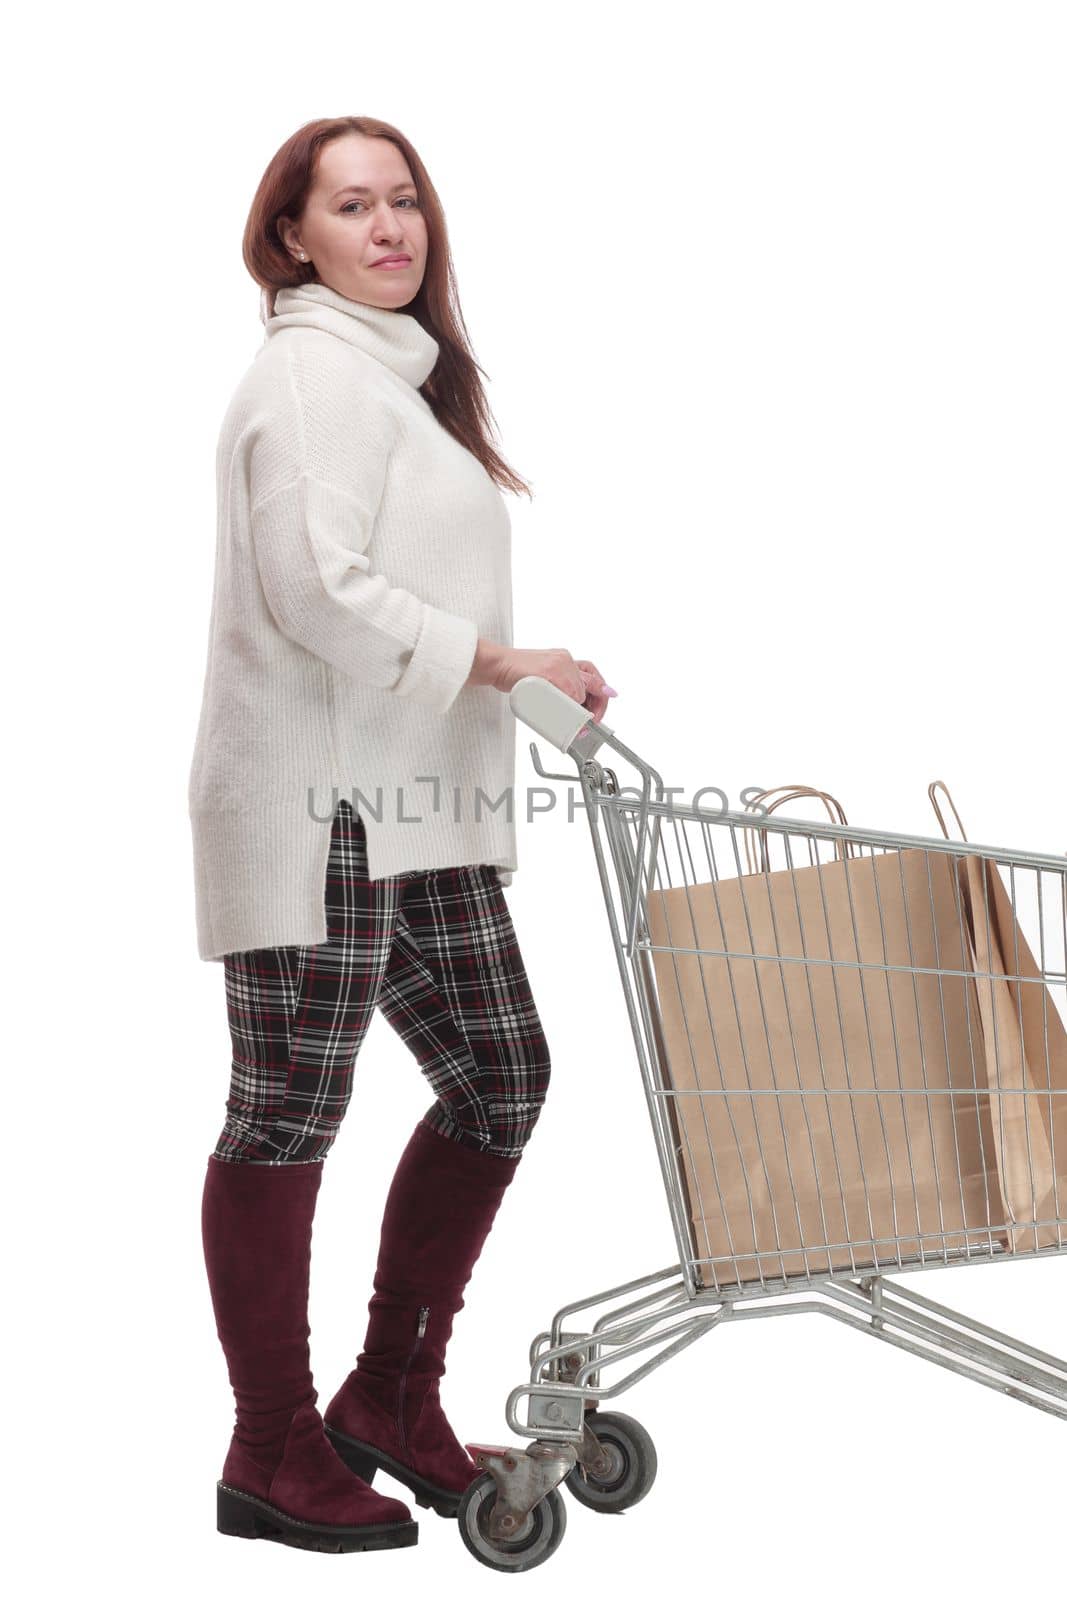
[
  {"x": 532, "y": 1542},
  {"x": 630, "y": 1470}
]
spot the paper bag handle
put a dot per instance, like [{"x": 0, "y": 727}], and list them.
[
  {"x": 794, "y": 791},
  {"x": 939, "y": 783}
]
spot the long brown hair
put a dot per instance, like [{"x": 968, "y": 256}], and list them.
[{"x": 454, "y": 389}]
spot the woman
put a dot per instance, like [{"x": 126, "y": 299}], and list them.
[{"x": 360, "y": 649}]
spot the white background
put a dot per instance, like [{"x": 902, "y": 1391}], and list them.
[{"x": 770, "y": 297}]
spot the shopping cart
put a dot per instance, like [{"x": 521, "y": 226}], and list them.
[{"x": 853, "y": 1062}]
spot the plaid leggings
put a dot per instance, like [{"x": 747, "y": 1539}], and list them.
[{"x": 437, "y": 952}]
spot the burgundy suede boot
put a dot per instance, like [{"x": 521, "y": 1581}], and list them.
[
  {"x": 281, "y": 1478},
  {"x": 387, "y": 1413}
]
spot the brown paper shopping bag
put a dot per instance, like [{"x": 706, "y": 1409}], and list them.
[
  {"x": 1024, "y": 1055},
  {"x": 812, "y": 1122}
]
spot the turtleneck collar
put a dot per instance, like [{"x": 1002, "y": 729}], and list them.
[{"x": 393, "y": 337}]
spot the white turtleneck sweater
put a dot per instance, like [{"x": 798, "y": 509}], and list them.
[{"x": 361, "y": 551}]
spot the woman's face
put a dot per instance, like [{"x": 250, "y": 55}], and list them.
[{"x": 362, "y": 207}]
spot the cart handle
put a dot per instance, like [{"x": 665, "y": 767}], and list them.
[
  {"x": 550, "y": 712},
  {"x": 571, "y": 728}
]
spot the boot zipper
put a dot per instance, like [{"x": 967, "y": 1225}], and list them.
[{"x": 424, "y": 1316}]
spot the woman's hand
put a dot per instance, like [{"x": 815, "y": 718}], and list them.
[
  {"x": 598, "y": 693},
  {"x": 501, "y": 666}
]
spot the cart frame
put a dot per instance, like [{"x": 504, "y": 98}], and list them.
[
  {"x": 512, "y": 1516},
  {"x": 566, "y": 1366}
]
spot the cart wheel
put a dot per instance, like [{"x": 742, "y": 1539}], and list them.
[
  {"x": 532, "y": 1542},
  {"x": 631, "y": 1470}
]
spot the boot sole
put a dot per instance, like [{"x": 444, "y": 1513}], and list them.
[
  {"x": 365, "y": 1459},
  {"x": 247, "y": 1517}
]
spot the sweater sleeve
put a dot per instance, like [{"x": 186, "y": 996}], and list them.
[{"x": 309, "y": 537}]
